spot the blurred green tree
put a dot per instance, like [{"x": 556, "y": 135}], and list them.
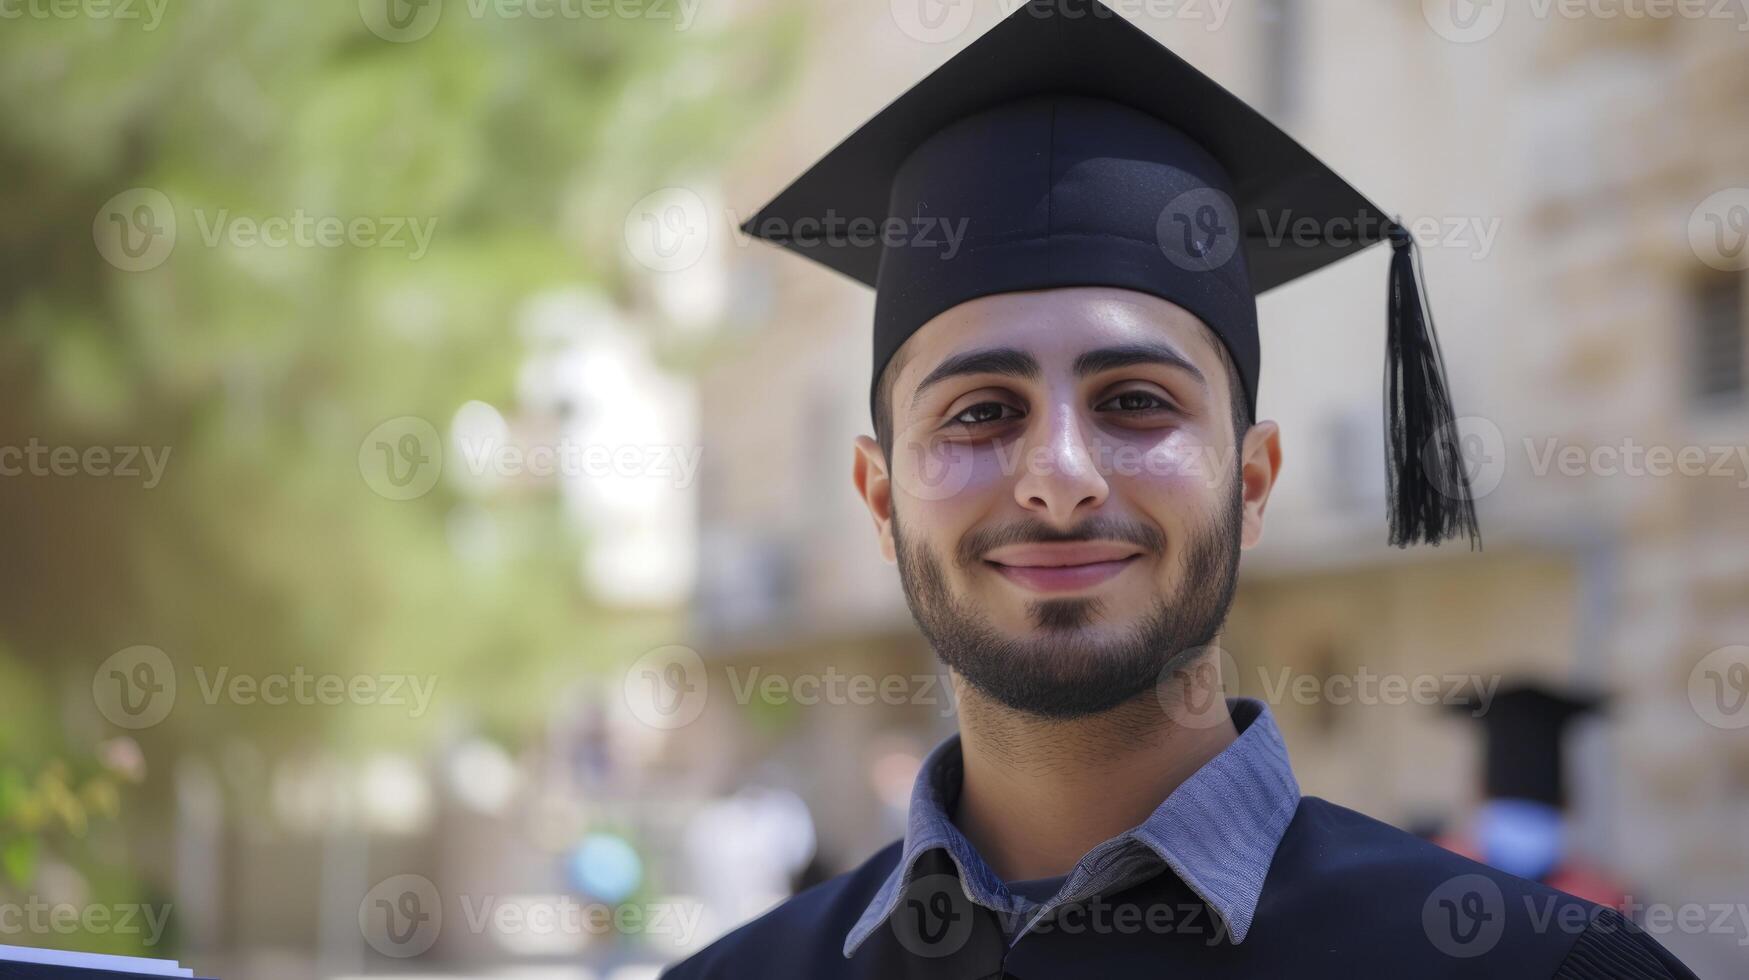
[{"x": 259, "y": 370}]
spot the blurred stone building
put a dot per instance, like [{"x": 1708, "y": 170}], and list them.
[{"x": 1555, "y": 167}]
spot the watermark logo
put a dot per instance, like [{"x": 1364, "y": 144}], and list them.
[
  {"x": 667, "y": 687},
  {"x": 402, "y": 458},
  {"x": 301, "y": 229},
  {"x": 668, "y": 230},
  {"x": 490, "y": 455},
  {"x": 1199, "y": 230},
  {"x": 835, "y": 687},
  {"x": 934, "y": 917},
  {"x": 135, "y": 231},
  {"x": 1195, "y": 696},
  {"x": 400, "y": 21},
  {"x": 1464, "y": 21},
  {"x": 402, "y": 916},
  {"x": 926, "y": 469},
  {"x": 1465, "y": 916},
  {"x": 1211, "y": 14},
  {"x": 932, "y": 21},
  {"x": 1718, "y": 688},
  {"x": 1718, "y": 230},
  {"x": 36, "y": 458},
  {"x": 1480, "y": 448},
  {"x": 1470, "y": 21},
  {"x": 135, "y": 688},
  {"x": 403, "y": 21},
  {"x": 43, "y": 919},
  {"x": 150, "y": 13}
]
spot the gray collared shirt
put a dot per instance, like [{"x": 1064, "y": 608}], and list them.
[{"x": 1217, "y": 832}]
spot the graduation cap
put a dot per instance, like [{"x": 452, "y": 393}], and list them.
[
  {"x": 1069, "y": 148},
  {"x": 1524, "y": 725}
]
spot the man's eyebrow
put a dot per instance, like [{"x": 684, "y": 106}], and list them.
[
  {"x": 1130, "y": 355},
  {"x": 1016, "y": 363},
  {"x": 994, "y": 360}
]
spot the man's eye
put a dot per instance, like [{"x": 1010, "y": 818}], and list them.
[
  {"x": 1135, "y": 401},
  {"x": 984, "y": 413}
]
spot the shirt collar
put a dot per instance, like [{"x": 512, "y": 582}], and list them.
[{"x": 1217, "y": 831}]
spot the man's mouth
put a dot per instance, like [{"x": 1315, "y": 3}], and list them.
[{"x": 1062, "y": 566}]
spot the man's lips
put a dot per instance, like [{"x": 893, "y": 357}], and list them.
[{"x": 1062, "y": 567}]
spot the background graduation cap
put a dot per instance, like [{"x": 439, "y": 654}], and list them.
[
  {"x": 1075, "y": 150},
  {"x": 1524, "y": 727}
]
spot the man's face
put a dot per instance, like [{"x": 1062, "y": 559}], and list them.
[{"x": 1066, "y": 498}]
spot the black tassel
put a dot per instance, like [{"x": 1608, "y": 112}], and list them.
[{"x": 1428, "y": 484}]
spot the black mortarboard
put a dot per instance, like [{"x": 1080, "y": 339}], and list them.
[
  {"x": 1072, "y": 149},
  {"x": 1523, "y": 728}
]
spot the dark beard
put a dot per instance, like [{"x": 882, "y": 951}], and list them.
[{"x": 1059, "y": 673}]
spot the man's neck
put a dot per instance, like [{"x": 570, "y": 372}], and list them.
[{"x": 1039, "y": 793}]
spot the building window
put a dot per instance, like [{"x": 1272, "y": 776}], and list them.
[{"x": 1720, "y": 354}]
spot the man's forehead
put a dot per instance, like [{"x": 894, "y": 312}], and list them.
[{"x": 1055, "y": 326}]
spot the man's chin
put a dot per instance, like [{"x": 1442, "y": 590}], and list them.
[{"x": 1056, "y": 697}]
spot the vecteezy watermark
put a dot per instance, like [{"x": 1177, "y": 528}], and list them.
[
  {"x": 120, "y": 462},
  {"x": 927, "y": 466},
  {"x": 38, "y": 918},
  {"x": 401, "y": 916},
  {"x": 937, "y": 21},
  {"x": 675, "y": 466},
  {"x": 1636, "y": 460},
  {"x": 404, "y": 916},
  {"x": 403, "y": 21},
  {"x": 668, "y": 687},
  {"x": 941, "y": 234},
  {"x": 668, "y": 230},
  {"x": 671, "y": 229},
  {"x": 1202, "y": 229},
  {"x": 303, "y": 230},
  {"x": 402, "y": 458},
  {"x": 1718, "y": 688},
  {"x": 1485, "y": 458},
  {"x": 934, "y": 917},
  {"x": 1689, "y": 918},
  {"x": 1718, "y": 230},
  {"x": 1193, "y": 687},
  {"x": 1466, "y": 916},
  {"x": 1470, "y": 21},
  {"x": 137, "y": 229},
  {"x": 138, "y": 687},
  {"x": 836, "y": 687},
  {"x": 147, "y": 13},
  {"x": 1364, "y": 686}
]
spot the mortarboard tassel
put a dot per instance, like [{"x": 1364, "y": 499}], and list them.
[{"x": 1428, "y": 485}]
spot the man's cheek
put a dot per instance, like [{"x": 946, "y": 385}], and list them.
[
  {"x": 1180, "y": 463},
  {"x": 952, "y": 472}
]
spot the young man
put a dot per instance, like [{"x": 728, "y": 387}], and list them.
[{"x": 1065, "y": 470}]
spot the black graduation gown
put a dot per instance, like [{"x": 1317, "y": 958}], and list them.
[{"x": 1346, "y": 896}]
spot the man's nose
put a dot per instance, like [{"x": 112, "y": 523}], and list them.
[{"x": 1060, "y": 478}]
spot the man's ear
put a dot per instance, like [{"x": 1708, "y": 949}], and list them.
[
  {"x": 1261, "y": 465},
  {"x": 869, "y": 473}
]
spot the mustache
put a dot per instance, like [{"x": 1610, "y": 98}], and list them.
[{"x": 982, "y": 541}]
